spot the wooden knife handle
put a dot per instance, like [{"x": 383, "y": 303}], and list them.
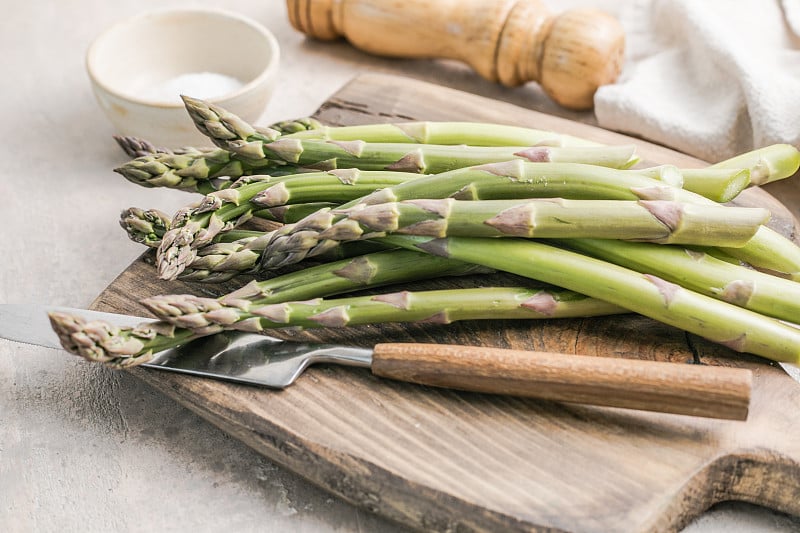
[
  {"x": 508, "y": 41},
  {"x": 698, "y": 390}
]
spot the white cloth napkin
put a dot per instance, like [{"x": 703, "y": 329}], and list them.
[{"x": 711, "y": 78}]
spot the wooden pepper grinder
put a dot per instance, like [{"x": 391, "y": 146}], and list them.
[{"x": 508, "y": 41}]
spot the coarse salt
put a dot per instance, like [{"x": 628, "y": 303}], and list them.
[{"x": 194, "y": 84}]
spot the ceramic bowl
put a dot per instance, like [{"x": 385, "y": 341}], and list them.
[{"x": 140, "y": 66}]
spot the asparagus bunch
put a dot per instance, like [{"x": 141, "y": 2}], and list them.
[
  {"x": 123, "y": 347},
  {"x": 700, "y": 272},
  {"x": 737, "y": 328},
  {"x": 506, "y": 180},
  {"x": 516, "y": 179},
  {"x": 199, "y": 169},
  {"x": 608, "y": 285},
  {"x": 185, "y": 317},
  {"x": 230, "y": 253},
  {"x": 483, "y": 173},
  {"x": 227, "y": 258},
  {"x": 247, "y": 149},
  {"x": 199, "y": 223}
]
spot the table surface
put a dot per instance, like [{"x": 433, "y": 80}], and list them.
[{"x": 84, "y": 448}]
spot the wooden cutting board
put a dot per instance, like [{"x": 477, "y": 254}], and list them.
[{"x": 449, "y": 461}]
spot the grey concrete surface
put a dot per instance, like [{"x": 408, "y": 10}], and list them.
[{"x": 90, "y": 450}]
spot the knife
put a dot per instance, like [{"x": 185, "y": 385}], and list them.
[{"x": 255, "y": 359}]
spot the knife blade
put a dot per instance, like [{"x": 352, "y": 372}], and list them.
[{"x": 254, "y": 359}]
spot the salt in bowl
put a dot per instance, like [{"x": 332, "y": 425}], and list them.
[{"x": 139, "y": 68}]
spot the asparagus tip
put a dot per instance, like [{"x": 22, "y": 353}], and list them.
[{"x": 99, "y": 341}]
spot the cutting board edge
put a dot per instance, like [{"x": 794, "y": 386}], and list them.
[
  {"x": 719, "y": 479},
  {"x": 363, "y": 491},
  {"x": 399, "y": 494}
]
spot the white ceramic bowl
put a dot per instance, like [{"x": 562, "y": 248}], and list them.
[{"x": 139, "y": 66}]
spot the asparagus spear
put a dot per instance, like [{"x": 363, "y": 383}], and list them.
[
  {"x": 224, "y": 127},
  {"x": 470, "y": 133},
  {"x": 700, "y": 272},
  {"x": 737, "y": 328},
  {"x": 722, "y": 181},
  {"x": 335, "y": 186},
  {"x": 718, "y": 184},
  {"x": 231, "y": 133},
  {"x": 654, "y": 220},
  {"x": 768, "y": 164},
  {"x": 423, "y": 158},
  {"x": 124, "y": 347}
]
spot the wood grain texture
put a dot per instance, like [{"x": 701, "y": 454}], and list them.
[
  {"x": 697, "y": 390},
  {"x": 443, "y": 460},
  {"x": 512, "y": 42}
]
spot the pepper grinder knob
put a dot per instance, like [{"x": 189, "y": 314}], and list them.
[{"x": 569, "y": 54}]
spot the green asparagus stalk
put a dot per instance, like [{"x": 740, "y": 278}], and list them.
[
  {"x": 518, "y": 179},
  {"x": 718, "y": 184},
  {"x": 653, "y": 220},
  {"x": 735, "y": 327},
  {"x": 437, "y": 307},
  {"x": 771, "y": 251},
  {"x": 700, "y": 272},
  {"x": 231, "y": 133},
  {"x": 335, "y": 186},
  {"x": 424, "y": 158},
  {"x": 124, "y": 347},
  {"x": 470, "y": 133},
  {"x": 768, "y": 164}
]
